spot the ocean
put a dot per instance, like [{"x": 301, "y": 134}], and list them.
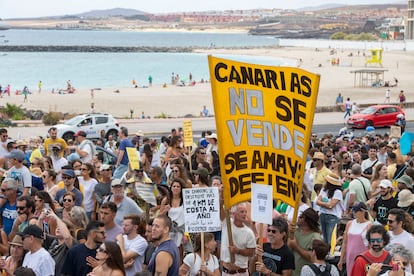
[{"x": 94, "y": 70}]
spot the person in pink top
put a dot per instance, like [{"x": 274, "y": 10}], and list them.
[{"x": 354, "y": 242}]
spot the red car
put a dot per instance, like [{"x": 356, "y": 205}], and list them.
[{"x": 376, "y": 116}]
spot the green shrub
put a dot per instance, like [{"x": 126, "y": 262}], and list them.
[
  {"x": 13, "y": 111},
  {"x": 51, "y": 118}
]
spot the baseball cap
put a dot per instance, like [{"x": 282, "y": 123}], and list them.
[
  {"x": 105, "y": 167},
  {"x": 80, "y": 133},
  {"x": 69, "y": 172},
  {"x": 33, "y": 230},
  {"x": 116, "y": 182},
  {"x": 16, "y": 154},
  {"x": 359, "y": 206},
  {"x": 385, "y": 183},
  {"x": 201, "y": 171}
]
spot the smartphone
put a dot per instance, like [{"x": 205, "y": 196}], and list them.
[
  {"x": 47, "y": 206},
  {"x": 388, "y": 267}
]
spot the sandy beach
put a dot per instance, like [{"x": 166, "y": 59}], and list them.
[{"x": 179, "y": 101}]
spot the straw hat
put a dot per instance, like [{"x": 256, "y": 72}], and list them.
[
  {"x": 319, "y": 155},
  {"x": 17, "y": 240},
  {"x": 405, "y": 198},
  {"x": 333, "y": 179}
]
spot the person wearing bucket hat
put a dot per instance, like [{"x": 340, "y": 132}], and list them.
[
  {"x": 329, "y": 200},
  {"x": 301, "y": 244},
  {"x": 405, "y": 182},
  {"x": 321, "y": 170},
  {"x": 406, "y": 200},
  {"x": 384, "y": 203},
  {"x": 15, "y": 260}
]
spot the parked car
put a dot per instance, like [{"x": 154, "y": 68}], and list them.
[
  {"x": 376, "y": 116},
  {"x": 92, "y": 124}
]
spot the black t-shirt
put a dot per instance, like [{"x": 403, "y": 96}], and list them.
[
  {"x": 75, "y": 261},
  {"x": 278, "y": 260},
  {"x": 381, "y": 207}
]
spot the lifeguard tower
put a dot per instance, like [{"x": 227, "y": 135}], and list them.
[{"x": 376, "y": 57}]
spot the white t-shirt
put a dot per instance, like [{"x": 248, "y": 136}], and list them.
[
  {"x": 337, "y": 209},
  {"x": 88, "y": 189},
  {"x": 137, "y": 245},
  {"x": 22, "y": 175},
  {"x": 193, "y": 261},
  {"x": 243, "y": 237},
  {"x": 41, "y": 262}
]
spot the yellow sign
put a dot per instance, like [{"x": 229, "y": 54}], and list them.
[
  {"x": 133, "y": 158},
  {"x": 264, "y": 119},
  {"x": 188, "y": 133}
]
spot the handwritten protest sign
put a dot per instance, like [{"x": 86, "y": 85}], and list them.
[
  {"x": 188, "y": 133},
  {"x": 264, "y": 117},
  {"x": 201, "y": 210}
]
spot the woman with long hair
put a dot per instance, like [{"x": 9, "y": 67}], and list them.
[
  {"x": 173, "y": 206},
  {"x": 43, "y": 202},
  {"x": 146, "y": 158},
  {"x": 198, "y": 156},
  {"x": 192, "y": 263},
  {"x": 15, "y": 258},
  {"x": 336, "y": 166},
  {"x": 78, "y": 220},
  {"x": 179, "y": 171},
  {"x": 47, "y": 162},
  {"x": 110, "y": 260},
  {"x": 175, "y": 149},
  {"x": 330, "y": 200},
  {"x": 380, "y": 172},
  {"x": 354, "y": 241},
  {"x": 49, "y": 182},
  {"x": 68, "y": 204},
  {"x": 88, "y": 180}
]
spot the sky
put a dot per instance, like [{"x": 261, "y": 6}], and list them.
[{"x": 31, "y": 8}]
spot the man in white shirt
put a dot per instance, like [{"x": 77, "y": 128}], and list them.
[
  {"x": 396, "y": 220},
  {"x": 37, "y": 258},
  {"x": 132, "y": 245}
]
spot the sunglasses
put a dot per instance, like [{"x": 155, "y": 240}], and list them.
[
  {"x": 21, "y": 207},
  {"x": 176, "y": 171},
  {"x": 379, "y": 240},
  {"x": 83, "y": 169},
  {"x": 106, "y": 170},
  {"x": 66, "y": 177},
  {"x": 67, "y": 200},
  {"x": 5, "y": 190},
  {"x": 390, "y": 221},
  {"x": 100, "y": 249},
  {"x": 274, "y": 231},
  {"x": 202, "y": 153}
]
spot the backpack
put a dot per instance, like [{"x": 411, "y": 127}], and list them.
[
  {"x": 317, "y": 271},
  {"x": 366, "y": 258}
]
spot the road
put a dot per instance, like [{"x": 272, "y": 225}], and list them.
[{"x": 323, "y": 123}]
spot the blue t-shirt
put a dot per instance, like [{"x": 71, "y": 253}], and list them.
[
  {"x": 126, "y": 143},
  {"x": 170, "y": 247},
  {"x": 75, "y": 261},
  {"x": 9, "y": 214}
]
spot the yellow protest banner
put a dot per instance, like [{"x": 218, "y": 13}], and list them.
[
  {"x": 133, "y": 158},
  {"x": 188, "y": 133},
  {"x": 264, "y": 117}
]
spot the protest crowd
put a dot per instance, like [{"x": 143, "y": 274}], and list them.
[{"x": 67, "y": 209}]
